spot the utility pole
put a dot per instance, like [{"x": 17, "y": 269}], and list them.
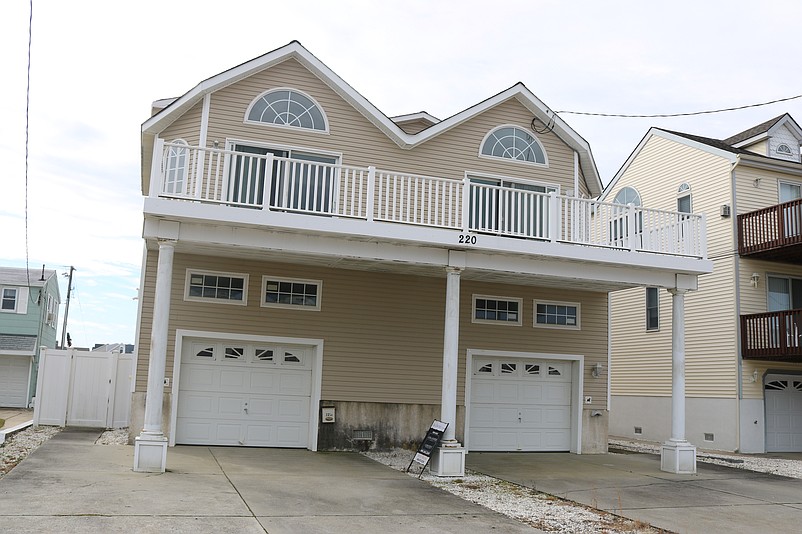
[{"x": 67, "y": 308}]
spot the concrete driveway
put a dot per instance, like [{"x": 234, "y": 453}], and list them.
[
  {"x": 71, "y": 485},
  {"x": 716, "y": 499}
]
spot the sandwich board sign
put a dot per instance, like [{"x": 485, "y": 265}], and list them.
[{"x": 430, "y": 442}]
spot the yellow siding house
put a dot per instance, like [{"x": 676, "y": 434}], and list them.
[
  {"x": 744, "y": 326},
  {"x": 319, "y": 275}
]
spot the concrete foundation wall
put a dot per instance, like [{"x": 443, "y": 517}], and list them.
[
  {"x": 594, "y": 431},
  {"x": 718, "y": 417},
  {"x": 753, "y": 425},
  {"x": 138, "y": 415},
  {"x": 393, "y": 425}
]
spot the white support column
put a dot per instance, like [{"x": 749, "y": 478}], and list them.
[
  {"x": 677, "y": 454},
  {"x": 150, "y": 447},
  {"x": 449, "y": 459}
]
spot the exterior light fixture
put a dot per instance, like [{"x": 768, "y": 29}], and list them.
[
  {"x": 754, "y": 279},
  {"x": 596, "y": 370}
]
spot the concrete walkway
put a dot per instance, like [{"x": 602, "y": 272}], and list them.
[
  {"x": 15, "y": 416},
  {"x": 71, "y": 485},
  {"x": 716, "y": 499}
]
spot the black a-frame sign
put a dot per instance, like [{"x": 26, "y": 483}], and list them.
[{"x": 430, "y": 442}]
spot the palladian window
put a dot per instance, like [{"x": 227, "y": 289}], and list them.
[
  {"x": 511, "y": 142},
  {"x": 287, "y": 107}
]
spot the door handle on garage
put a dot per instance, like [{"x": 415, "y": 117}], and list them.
[{"x": 245, "y": 407}]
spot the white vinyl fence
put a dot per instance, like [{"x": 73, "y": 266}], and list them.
[{"x": 82, "y": 388}]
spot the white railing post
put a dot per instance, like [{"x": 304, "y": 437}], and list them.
[
  {"x": 554, "y": 217},
  {"x": 200, "y": 158},
  {"x": 631, "y": 227},
  {"x": 370, "y": 203},
  {"x": 268, "y": 187},
  {"x": 701, "y": 232},
  {"x": 466, "y": 204},
  {"x": 156, "y": 166}
]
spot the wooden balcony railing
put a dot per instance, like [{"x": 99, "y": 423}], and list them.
[
  {"x": 772, "y": 336},
  {"x": 286, "y": 185},
  {"x": 774, "y": 232}
]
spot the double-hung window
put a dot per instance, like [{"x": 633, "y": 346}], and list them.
[{"x": 9, "y": 299}]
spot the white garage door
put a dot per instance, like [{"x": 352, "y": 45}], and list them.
[
  {"x": 520, "y": 405},
  {"x": 251, "y": 394},
  {"x": 783, "y": 395},
  {"x": 14, "y": 372}
]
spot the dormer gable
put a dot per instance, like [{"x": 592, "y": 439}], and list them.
[{"x": 778, "y": 138}]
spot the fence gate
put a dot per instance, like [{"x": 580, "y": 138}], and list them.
[{"x": 82, "y": 388}]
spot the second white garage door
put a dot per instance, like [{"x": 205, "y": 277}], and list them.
[
  {"x": 240, "y": 393},
  {"x": 783, "y": 394},
  {"x": 520, "y": 405},
  {"x": 14, "y": 373}
]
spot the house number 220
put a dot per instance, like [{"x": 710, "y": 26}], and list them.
[{"x": 465, "y": 239}]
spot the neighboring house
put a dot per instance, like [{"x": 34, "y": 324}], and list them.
[
  {"x": 306, "y": 254},
  {"x": 29, "y": 302},
  {"x": 743, "y": 337},
  {"x": 122, "y": 348}
]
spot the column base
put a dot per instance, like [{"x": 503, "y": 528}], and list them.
[
  {"x": 150, "y": 453},
  {"x": 448, "y": 460},
  {"x": 678, "y": 457}
]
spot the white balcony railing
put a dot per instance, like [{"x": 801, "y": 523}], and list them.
[{"x": 271, "y": 183}]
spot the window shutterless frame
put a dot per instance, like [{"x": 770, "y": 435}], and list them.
[
  {"x": 217, "y": 287},
  {"x": 488, "y": 309},
  {"x": 652, "y": 309},
  {"x": 291, "y": 293},
  {"x": 556, "y": 314}
]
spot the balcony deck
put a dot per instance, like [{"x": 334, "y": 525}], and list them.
[
  {"x": 772, "y": 336},
  {"x": 283, "y": 187},
  {"x": 773, "y": 233}
]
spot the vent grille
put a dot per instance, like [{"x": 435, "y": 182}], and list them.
[{"x": 362, "y": 435}]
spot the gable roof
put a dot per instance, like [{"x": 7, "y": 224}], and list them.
[
  {"x": 17, "y": 276},
  {"x": 729, "y": 148},
  {"x": 294, "y": 50},
  {"x": 764, "y": 130}
]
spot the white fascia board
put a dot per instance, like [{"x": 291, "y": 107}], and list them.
[
  {"x": 771, "y": 164},
  {"x": 421, "y": 115},
  {"x": 788, "y": 122},
  {"x": 657, "y": 132},
  {"x": 752, "y": 140},
  {"x": 249, "y": 228},
  {"x": 28, "y": 353}
]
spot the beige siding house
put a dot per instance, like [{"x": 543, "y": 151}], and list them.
[
  {"x": 743, "y": 350},
  {"x": 319, "y": 275}
]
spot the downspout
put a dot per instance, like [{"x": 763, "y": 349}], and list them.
[{"x": 737, "y": 261}]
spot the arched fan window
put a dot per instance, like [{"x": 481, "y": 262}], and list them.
[
  {"x": 287, "y": 107},
  {"x": 511, "y": 142}
]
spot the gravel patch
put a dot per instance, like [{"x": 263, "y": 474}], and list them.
[
  {"x": 540, "y": 510},
  {"x": 118, "y": 436},
  {"x": 20, "y": 444}
]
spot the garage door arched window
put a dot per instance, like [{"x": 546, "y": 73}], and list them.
[
  {"x": 287, "y": 107},
  {"x": 513, "y": 143}
]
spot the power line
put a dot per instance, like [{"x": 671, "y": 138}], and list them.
[
  {"x": 663, "y": 115},
  {"x": 27, "y": 127}
]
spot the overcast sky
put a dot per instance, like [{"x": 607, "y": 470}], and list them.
[{"x": 98, "y": 65}]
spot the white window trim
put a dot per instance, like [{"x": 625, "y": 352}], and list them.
[
  {"x": 231, "y": 142},
  {"x": 188, "y": 298},
  {"x": 506, "y": 178},
  {"x": 578, "y": 306},
  {"x": 646, "y": 309},
  {"x": 264, "y": 304},
  {"x": 497, "y": 322},
  {"x": 543, "y": 165},
  {"x": 16, "y": 298},
  {"x": 781, "y": 145},
  {"x": 325, "y": 131},
  {"x": 786, "y": 182}
]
